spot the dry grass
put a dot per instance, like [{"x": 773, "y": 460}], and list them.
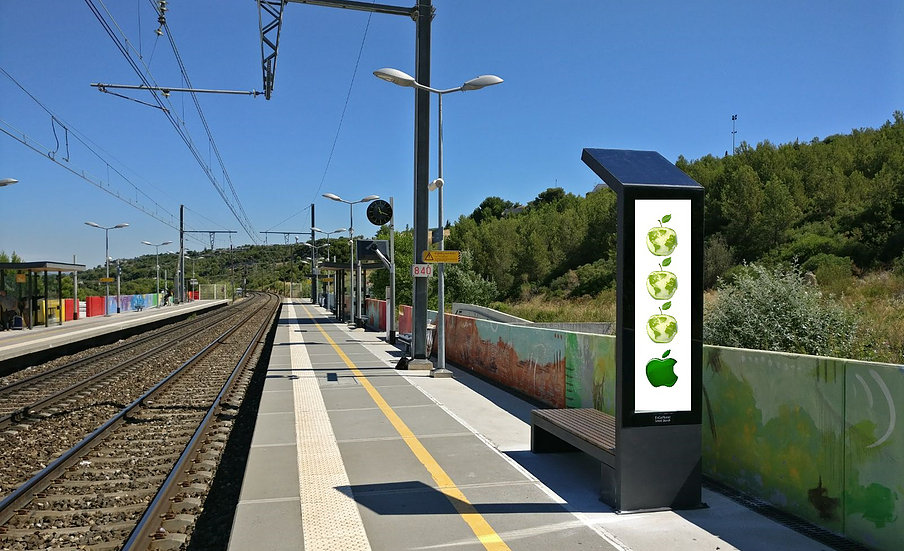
[
  {"x": 545, "y": 309},
  {"x": 878, "y": 299}
]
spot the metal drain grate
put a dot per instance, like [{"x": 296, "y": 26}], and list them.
[{"x": 831, "y": 539}]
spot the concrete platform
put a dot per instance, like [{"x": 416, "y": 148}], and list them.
[
  {"x": 350, "y": 454},
  {"x": 23, "y": 347}
]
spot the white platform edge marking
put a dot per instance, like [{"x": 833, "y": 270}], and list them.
[{"x": 329, "y": 514}]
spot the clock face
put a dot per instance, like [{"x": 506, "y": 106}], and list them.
[{"x": 379, "y": 212}]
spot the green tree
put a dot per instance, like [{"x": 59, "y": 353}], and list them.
[{"x": 491, "y": 207}]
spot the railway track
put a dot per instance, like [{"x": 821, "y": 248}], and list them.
[
  {"x": 81, "y": 396},
  {"x": 20, "y": 394},
  {"x": 139, "y": 479}
]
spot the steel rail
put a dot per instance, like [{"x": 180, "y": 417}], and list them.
[
  {"x": 24, "y": 493},
  {"x": 151, "y": 520}
]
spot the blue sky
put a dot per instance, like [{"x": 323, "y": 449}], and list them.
[{"x": 665, "y": 76}]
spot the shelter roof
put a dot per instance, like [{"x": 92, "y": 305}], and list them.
[{"x": 42, "y": 266}]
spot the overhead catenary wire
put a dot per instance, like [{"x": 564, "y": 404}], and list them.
[
  {"x": 211, "y": 140},
  {"x": 109, "y": 160},
  {"x": 169, "y": 114},
  {"x": 348, "y": 96}
]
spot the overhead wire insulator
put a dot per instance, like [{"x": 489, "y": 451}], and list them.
[{"x": 161, "y": 17}]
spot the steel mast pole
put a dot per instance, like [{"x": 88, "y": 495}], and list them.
[
  {"x": 351, "y": 265},
  {"x": 421, "y": 178},
  {"x": 107, "y": 260}
]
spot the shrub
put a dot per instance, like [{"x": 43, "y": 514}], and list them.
[
  {"x": 832, "y": 272},
  {"x": 717, "y": 259},
  {"x": 774, "y": 309}
]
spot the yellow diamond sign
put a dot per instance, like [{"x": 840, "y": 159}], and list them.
[{"x": 447, "y": 257}]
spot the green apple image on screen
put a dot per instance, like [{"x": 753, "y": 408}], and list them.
[
  {"x": 662, "y": 241},
  {"x": 661, "y": 284},
  {"x": 661, "y": 371},
  {"x": 662, "y": 328}
]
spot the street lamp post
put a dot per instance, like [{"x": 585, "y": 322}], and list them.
[
  {"x": 351, "y": 231},
  {"x": 157, "y": 262},
  {"x": 315, "y": 272},
  {"x": 402, "y": 79},
  {"x": 107, "y": 257},
  {"x": 328, "y": 234}
]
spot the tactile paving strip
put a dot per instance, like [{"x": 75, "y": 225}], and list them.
[{"x": 329, "y": 513}]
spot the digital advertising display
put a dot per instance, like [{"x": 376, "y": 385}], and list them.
[{"x": 662, "y": 362}]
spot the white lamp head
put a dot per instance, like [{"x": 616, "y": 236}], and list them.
[
  {"x": 395, "y": 76},
  {"x": 435, "y": 184},
  {"x": 480, "y": 82},
  {"x": 332, "y": 196},
  {"x": 370, "y": 198}
]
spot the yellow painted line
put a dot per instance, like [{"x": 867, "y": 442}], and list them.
[{"x": 481, "y": 528}]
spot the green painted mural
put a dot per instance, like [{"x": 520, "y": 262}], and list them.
[
  {"x": 815, "y": 436},
  {"x": 590, "y": 371}
]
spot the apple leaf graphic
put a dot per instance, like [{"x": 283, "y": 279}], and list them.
[
  {"x": 666, "y": 353},
  {"x": 666, "y": 218},
  {"x": 667, "y": 305},
  {"x": 667, "y": 261}
]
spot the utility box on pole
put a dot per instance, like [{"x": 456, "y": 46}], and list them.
[{"x": 659, "y": 335}]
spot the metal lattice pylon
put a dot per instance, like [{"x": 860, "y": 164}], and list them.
[{"x": 270, "y": 20}]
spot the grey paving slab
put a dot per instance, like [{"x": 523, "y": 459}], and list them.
[
  {"x": 274, "y": 526},
  {"x": 467, "y": 460},
  {"x": 277, "y": 401},
  {"x": 526, "y": 519},
  {"x": 396, "y": 519},
  {"x": 358, "y": 424},
  {"x": 430, "y": 420},
  {"x": 272, "y": 473},
  {"x": 381, "y": 462},
  {"x": 274, "y": 428},
  {"x": 404, "y": 396},
  {"x": 278, "y": 382},
  {"x": 346, "y": 397}
]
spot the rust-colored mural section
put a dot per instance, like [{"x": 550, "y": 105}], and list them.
[{"x": 531, "y": 361}]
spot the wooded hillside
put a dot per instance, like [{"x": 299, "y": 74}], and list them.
[{"x": 833, "y": 205}]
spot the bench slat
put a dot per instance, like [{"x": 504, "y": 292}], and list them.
[{"x": 591, "y": 425}]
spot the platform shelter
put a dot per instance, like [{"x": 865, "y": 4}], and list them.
[{"x": 20, "y": 281}]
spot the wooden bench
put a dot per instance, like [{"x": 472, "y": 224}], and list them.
[{"x": 588, "y": 430}]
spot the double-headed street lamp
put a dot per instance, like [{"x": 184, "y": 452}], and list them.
[
  {"x": 107, "y": 257},
  {"x": 314, "y": 249},
  {"x": 157, "y": 262},
  {"x": 351, "y": 231},
  {"x": 403, "y": 79}
]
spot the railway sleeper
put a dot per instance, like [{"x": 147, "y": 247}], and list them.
[{"x": 168, "y": 541}]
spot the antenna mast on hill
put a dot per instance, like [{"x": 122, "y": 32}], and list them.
[{"x": 733, "y": 132}]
